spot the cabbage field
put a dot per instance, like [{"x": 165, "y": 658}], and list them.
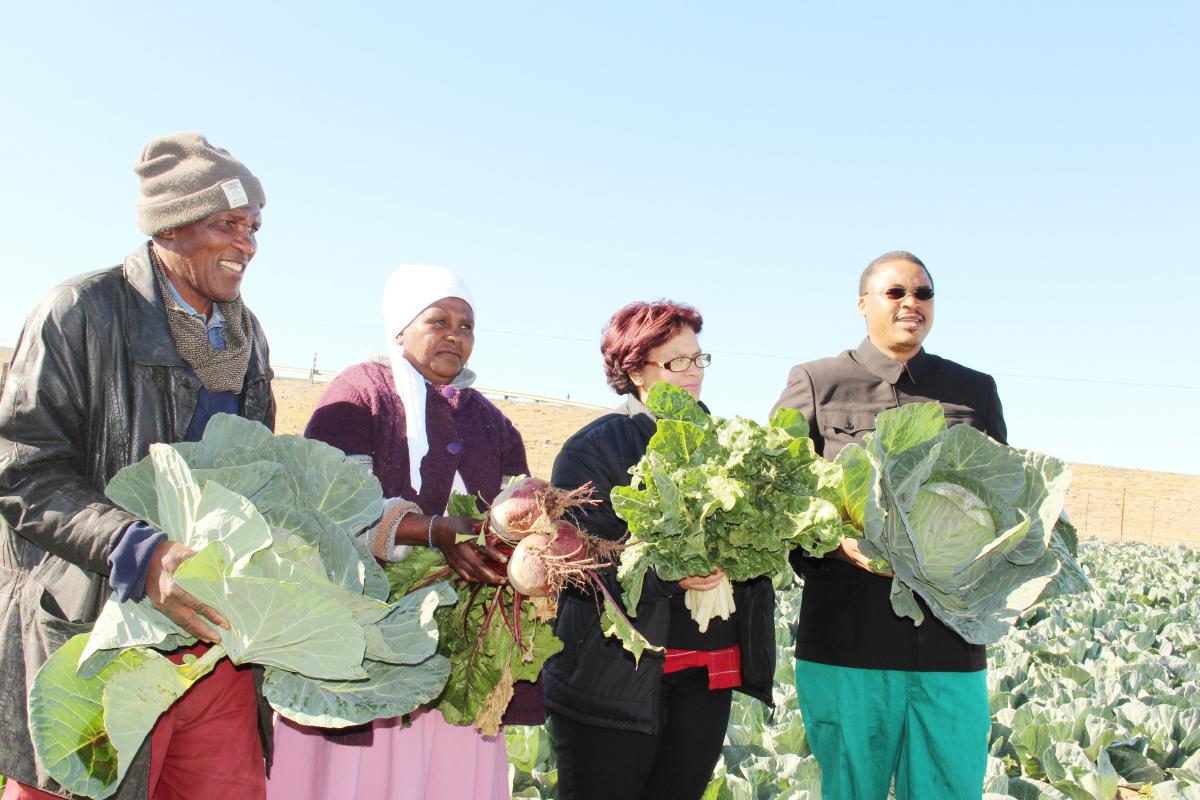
[{"x": 1093, "y": 696}]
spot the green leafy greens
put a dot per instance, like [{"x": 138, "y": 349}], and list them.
[
  {"x": 272, "y": 520},
  {"x": 723, "y": 493}
]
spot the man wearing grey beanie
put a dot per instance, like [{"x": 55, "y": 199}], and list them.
[{"x": 109, "y": 363}]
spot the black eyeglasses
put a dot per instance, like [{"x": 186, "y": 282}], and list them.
[
  {"x": 682, "y": 363},
  {"x": 922, "y": 293}
]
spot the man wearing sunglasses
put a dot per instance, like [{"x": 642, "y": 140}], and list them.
[{"x": 881, "y": 697}]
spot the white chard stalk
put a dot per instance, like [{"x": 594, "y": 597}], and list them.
[{"x": 709, "y": 603}]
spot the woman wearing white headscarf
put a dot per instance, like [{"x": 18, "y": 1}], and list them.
[{"x": 423, "y": 431}]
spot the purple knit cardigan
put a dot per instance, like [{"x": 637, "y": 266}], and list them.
[{"x": 361, "y": 414}]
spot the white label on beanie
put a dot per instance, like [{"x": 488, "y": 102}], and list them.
[{"x": 234, "y": 193}]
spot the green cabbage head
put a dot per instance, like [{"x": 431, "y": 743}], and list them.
[
  {"x": 965, "y": 523},
  {"x": 951, "y": 526}
]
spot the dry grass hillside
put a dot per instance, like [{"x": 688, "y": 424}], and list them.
[{"x": 1105, "y": 502}]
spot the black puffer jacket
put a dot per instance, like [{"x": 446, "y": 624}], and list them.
[{"x": 594, "y": 679}]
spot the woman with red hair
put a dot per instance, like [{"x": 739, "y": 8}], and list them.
[{"x": 654, "y": 729}]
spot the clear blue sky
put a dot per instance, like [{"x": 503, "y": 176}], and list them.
[{"x": 748, "y": 158}]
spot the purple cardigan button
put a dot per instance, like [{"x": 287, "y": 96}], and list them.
[{"x": 454, "y": 448}]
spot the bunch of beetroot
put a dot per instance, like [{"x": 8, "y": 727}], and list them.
[
  {"x": 496, "y": 636},
  {"x": 548, "y": 553}
]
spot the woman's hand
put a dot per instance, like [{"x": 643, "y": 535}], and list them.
[
  {"x": 849, "y": 552},
  {"x": 474, "y": 563},
  {"x": 702, "y": 583}
]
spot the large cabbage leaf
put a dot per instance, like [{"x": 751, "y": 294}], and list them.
[
  {"x": 88, "y": 730},
  {"x": 965, "y": 523},
  {"x": 389, "y": 690},
  {"x": 272, "y": 521},
  {"x": 300, "y": 485},
  {"x": 402, "y": 670},
  {"x": 68, "y": 714}
]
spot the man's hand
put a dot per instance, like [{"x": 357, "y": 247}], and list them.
[
  {"x": 849, "y": 552},
  {"x": 702, "y": 583},
  {"x": 472, "y": 562},
  {"x": 167, "y": 596}
]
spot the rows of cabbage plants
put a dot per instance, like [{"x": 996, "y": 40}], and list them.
[{"x": 1095, "y": 695}]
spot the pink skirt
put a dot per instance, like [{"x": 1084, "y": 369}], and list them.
[{"x": 429, "y": 760}]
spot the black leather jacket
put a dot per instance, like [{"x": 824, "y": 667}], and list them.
[
  {"x": 95, "y": 380},
  {"x": 594, "y": 679}
]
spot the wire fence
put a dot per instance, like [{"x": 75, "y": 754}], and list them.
[
  {"x": 1119, "y": 514},
  {"x": 310, "y": 374}
]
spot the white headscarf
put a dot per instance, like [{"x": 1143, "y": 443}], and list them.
[{"x": 410, "y": 290}]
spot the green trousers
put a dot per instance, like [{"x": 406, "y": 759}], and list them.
[{"x": 927, "y": 729}]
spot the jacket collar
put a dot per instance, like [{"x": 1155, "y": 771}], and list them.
[
  {"x": 150, "y": 336},
  {"x": 886, "y": 368},
  {"x": 636, "y": 410}
]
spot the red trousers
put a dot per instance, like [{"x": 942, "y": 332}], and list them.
[{"x": 205, "y": 746}]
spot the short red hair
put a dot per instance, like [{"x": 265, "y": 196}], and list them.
[{"x": 635, "y": 330}]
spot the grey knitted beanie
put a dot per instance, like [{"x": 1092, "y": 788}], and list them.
[{"x": 184, "y": 179}]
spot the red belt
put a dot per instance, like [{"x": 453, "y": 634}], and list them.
[{"x": 724, "y": 666}]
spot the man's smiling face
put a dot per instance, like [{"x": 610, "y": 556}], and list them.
[
  {"x": 897, "y": 327},
  {"x": 207, "y": 259}
]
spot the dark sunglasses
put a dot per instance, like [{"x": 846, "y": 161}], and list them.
[{"x": 922, "y": 293}]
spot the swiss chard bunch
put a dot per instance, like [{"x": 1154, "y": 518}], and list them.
[
  {"x": 722, "y": 493},
  {"x": 271, "y": 519}
]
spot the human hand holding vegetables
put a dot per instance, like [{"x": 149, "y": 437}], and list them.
[
  {"x": 702, "y": 583},
  {"x": 167, "y": 596},
  {"x": 708, "y": 596},
  {"x": 473, "y": 562},
  {"x": 849, "y": 551}
]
